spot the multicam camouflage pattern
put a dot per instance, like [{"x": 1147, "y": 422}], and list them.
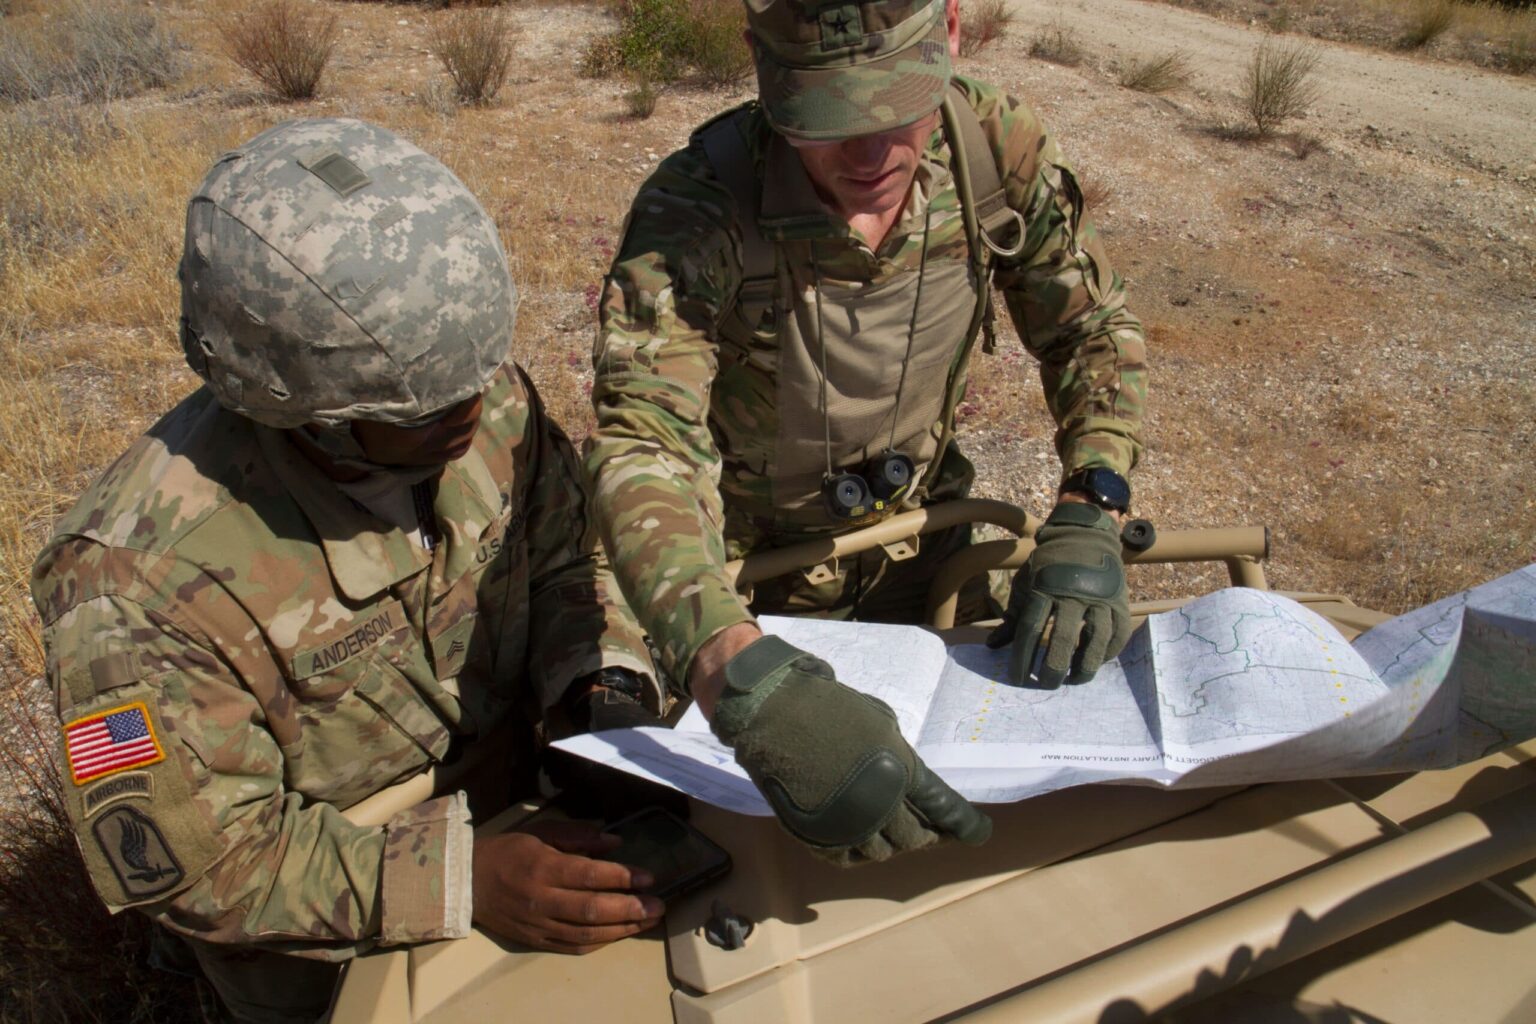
[
  {"x": 338, "y": 230},
  {"x": 296, "y": 655},
  {"x": 685, "y": 415},
  {"x": 831, "y": 70}
]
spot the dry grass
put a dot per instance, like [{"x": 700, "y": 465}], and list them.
[
  {"x": 284, "y": 44},
  {"x": 1160, "y": 74},
  {"x": 89, "y": 50},
  {"x": 90, "y": 212},
  {"x": 1428, "y": 20},
  {"x": 1483, "y": 32},
  {"x": 983, "y": 23},
  {"x": 1279, "y": 85},
  {"x": 1057, "y": 43},
  {"x": 475, "y": 48}
]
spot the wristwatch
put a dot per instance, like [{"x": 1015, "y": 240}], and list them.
[{"x": 1104, "y": 487}]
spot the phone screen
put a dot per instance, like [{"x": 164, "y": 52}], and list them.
[{"x": 677, "y": 855}]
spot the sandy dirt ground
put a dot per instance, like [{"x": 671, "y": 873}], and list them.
[
  {"x": 1472, "y": 115},
  {"x": 1341, "y": 318}
]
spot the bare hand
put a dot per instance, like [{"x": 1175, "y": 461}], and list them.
[{"x": 541, "y": 887}]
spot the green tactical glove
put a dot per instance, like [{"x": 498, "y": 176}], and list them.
[
  {"x": 830, "y": 760},
  {"x": 1075, "y": 576}
]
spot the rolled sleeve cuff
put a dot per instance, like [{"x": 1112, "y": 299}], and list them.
[{"x": 428, "y": 854}]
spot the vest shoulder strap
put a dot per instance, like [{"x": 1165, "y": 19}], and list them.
[
  {"x": 727, "y": 151},
  {"x": 986, "y": 195}
]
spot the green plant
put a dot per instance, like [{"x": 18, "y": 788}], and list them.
[
  {"x": 1057, "y": 43},
  {"x": 1279, "y": 83},
  {"x": 1158, "y": 74},
  {"x": 1427, "y": 21},
  {"x": 475, "y": 48},
  {"x": 982, "y": 24},
  {"x": 283, "y": 44},
  {"x": 661, "y": 40},
  {"x": 93, "y": 51}
]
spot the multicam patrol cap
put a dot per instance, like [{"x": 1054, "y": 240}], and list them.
[
  {"x": 333, "y": 271},
  {"x": 830, "y": 69}
]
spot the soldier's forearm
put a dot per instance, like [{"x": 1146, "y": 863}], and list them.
[{"x": 706, "y": 677}]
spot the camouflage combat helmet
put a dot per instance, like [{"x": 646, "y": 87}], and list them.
[
  {"x": 333, "y": 271},
  {"x": 830, "y": 70}
]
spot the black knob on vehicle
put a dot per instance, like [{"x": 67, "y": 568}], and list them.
[{"x": 1138, "y": 535}]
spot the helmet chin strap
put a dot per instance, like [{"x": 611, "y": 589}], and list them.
[{"x": 337, "y": 444}]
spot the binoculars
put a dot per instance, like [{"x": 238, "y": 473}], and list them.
[{"x": 877, "y": 485}]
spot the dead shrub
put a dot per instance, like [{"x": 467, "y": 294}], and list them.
[
  {"x": 284, "y": 44},
  {"x": 982, "y": 24},
  {"x": 715, "y": 47},
  {"x": 1303, "y": 145},
  {"x": 1428, "y": 20},
  {"x": 93, "y": 51},
  {"x": 641, "y": 100},
  {"x": 1096, "y": 192},
  {"x": 1279, "y": 84},
  {"x": 1157, "y": 75},
  {"x": 1520, "y": 46},
  {"x": 475, "y": 48},
  {"x": 1057, "y": 43},
  {"x": 1362, "y": 418}
]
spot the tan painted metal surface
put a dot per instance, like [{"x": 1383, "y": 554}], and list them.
[
  {"x": 1291, "y": 920},
  {"x": 1352, "y": 900}
]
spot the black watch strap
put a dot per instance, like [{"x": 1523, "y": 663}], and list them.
[
  {"x": 620, "y": 680},
  {"x": 1104, "y": 487}
]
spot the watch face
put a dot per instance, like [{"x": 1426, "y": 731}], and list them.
[{"x": 1108, "y": 488}]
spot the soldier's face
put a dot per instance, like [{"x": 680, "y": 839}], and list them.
[
  {"x": 437, "y": 443},
  {"x": 866, "y": 174}
]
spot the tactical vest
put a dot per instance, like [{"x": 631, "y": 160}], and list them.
[{"x": 884, "y": 346}]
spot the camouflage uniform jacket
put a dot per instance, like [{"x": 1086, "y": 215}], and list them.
[
  {"x": 678, "y": 449},
  {"x": 238, "y": 650}
]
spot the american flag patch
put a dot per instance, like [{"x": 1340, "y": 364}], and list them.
[{"x": 111, "y": 742}]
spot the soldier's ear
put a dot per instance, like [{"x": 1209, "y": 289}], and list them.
[{"x": 952, "y": 26}]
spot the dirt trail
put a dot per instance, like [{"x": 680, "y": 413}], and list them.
[{"x": 1472, "y": 115}]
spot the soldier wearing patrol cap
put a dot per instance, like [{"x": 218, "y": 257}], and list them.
[
  {"x": 784, "y": 338},
  {"x": 359, "y": 551}
]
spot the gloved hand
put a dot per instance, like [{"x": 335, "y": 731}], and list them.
[
  {"x": 1075, "y": 575},
  {"x": 830, "y": 760}
]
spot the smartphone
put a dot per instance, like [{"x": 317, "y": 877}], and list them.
[{"x": 679, "y": 857}]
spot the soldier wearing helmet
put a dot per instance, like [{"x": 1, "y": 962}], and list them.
[
  {"x": 784, "y": 339},
  {"x": 360, "y": 551}
]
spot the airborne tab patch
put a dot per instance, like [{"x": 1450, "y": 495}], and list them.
[
  {"x": 111, "y": 741},
  {"x": 132, "y": 784}
]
